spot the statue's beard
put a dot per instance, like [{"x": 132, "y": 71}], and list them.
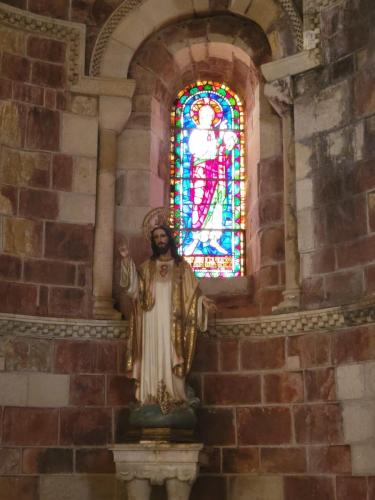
[{"x": 162, "y": 250}]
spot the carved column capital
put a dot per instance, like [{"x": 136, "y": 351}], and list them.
[
  {"x": 114, "y": 112},
  {"x": 280, "y": 95}
]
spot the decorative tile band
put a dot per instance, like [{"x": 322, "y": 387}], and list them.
[
  {"x": 300, "y": 322},
  {"x": 56, "y": 328}
]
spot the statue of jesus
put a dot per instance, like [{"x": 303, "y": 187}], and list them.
[{"x": 168, "y": 310}]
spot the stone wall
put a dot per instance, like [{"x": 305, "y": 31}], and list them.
[
  {"x": 60, "y": 402},
  {"x": 48, "y": 149},
  {"x": 287, "y": 418},
  {"x": 283, "y": 417},
  {"x": 334, "y": 113}
]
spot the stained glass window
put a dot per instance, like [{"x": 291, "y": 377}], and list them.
[{"x": 207, "y": 178}]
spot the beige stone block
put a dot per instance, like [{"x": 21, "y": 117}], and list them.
[
  {"x": 10, "y": 124},
  {"x": 5, "y": 205},
  {"x": 256, "y": 487},
  {"x": 85, "y": 487},
  {"x": 18, "y": 167},
  {"x": 76, "y": 208},
  {"x": 129, "y": 219},
  {"x": 306, "y": 238},
  {"x": 134, "y": 149},
  {"x": 12, "y": 41},
  {"x": 265, "y": 14},
  {"x": 304, "y": 154},
  {"x": 363, "y": 458},
  {"x": 220, "y": 47},
  {"x": 325, "y": 111},
  {"x": 239, "y": 6},
  {"x": 79, "y": 135},
  {"x": 22, "y": 236},
  {"x": 336, "y": 142},
  {"x": 13, "y": 389},
  {"x": 369, "y": 374},
  {"x": 199, "y": 51},
  {"x": 137, "y": 188},
  {"x": 84, "y": 105},
  {"x": 359, "y": 141},
  {"x": 304, "y": 192},
  {"x": 270, "y": 137},
  {"x": 242, "y": 55},
  {"x": 293, "y": 362},
  {"x": 48, "y": 390},
  {"x": 116, "y": 60},
  {"x": 160, "y": 13},
  {"x": 133, "y": 30},
  {"x": 114, "y": 112},
  {"x": 359, "y": 421},
  {"x": 306, "y": 264},
  {"x": 278, "y": 52},
  {"x": 84, "y": 175},
  {"x": 350, "y": 382},
  {"x": 183, "y": 58},
  {"x": 156, "y": 192}
]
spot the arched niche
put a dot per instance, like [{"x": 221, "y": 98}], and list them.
[
  {"x": 219, "y": 47},
  {"x": 136, "y": 20}
]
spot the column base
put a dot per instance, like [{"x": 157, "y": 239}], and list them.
[
  {"x": 103, "y": 309},
  {"x": 291, "y": 302},
  {"x": 174, "y": 464}
]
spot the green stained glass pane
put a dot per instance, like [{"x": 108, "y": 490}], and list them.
[
  {"x": 193, "y": 90},
  {"x": 178, "y": 123},
  {"x": 207, "y": 87},
  {"x": 236, "y": 113},
  {"x": 222, "y": 92}
]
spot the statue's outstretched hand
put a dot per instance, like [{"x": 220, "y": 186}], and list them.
[
  {"x": 209, "y": 304},
  {"x": 124, "y": 251}
]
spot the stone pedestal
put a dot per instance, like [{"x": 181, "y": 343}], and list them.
[{"x": 142, "y": 465}]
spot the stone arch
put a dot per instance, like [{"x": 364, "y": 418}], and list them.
[
  {"x": 224, "y": 47},
  {"x": 135, "y": 20}
]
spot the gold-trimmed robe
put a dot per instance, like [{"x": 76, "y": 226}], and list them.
[{"x": 185, "y": 319}]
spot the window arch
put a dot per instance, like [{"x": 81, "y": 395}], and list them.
[{"x": 207, "y": 178}]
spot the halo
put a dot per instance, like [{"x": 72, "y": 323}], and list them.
[
  {"x": 206, "y": 101},
  {"x": 156, "y": 217}
]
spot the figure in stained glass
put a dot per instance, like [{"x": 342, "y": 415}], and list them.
[{"x": 207, "y": 181}]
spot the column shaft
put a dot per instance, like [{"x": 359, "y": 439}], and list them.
[{"x": 104, "y": 229}]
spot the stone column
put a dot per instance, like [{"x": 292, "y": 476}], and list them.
[
  {"x": 113, "y": 115},
  {"x": 279, "y": 93}
]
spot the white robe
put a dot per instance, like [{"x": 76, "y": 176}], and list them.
[{"x": 157, "y": 349}]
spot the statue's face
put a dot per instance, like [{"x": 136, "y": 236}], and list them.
[{"x": 161, "y": 240}]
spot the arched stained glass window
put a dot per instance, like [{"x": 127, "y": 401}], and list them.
[{"x": 207, "y": 178}]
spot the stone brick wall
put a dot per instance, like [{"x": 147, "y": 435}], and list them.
[
  {"x": 335, "y": 112},
  {"x": 60, "y": 401},
  {"x": 286, "y": 418},
  {"x": 48, "y": 149},
  {"x": 283, "y": 417}
]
